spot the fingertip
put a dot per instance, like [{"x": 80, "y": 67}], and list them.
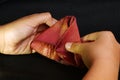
[
  {"x": 33, "y": 51},
  {"x": 54, "y": 21},
  {"x": 68, "y": 45},
  {"x": 72, "y": 47},
  {"x": 75, "y": 48},
  {"x": 51, "y": 21}
]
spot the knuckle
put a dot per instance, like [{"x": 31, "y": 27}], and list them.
[{"x": 109, "y": 33}]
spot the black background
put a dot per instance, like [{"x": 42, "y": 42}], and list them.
[{"x": 92, "y": 15}]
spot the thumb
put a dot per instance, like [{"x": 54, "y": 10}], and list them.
[
  {"x": 76, "y": 48},
  {"x": 79, "y": 48}
]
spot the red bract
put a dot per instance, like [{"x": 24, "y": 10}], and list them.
[{"x": 51, "y": 42}]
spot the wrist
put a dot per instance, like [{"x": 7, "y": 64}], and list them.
[{"x": 103, "y": 70}]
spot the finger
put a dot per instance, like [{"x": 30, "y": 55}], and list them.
[
  {"x": 36, "y": 19},
  {"x": 42, "y": 18},
  {"x": 90, "y": 37},
  {"x": 33, "y": 51},
  {"x": 76, "y": 48},
  {"x": 101, "y": 35},
  {"x": 51, "y": 22}
]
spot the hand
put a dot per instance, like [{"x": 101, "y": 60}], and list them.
[
  {"x": 16, "y": 36},
  {"x": 100, "y": 52},
  {"x": 97, "y": 46}
]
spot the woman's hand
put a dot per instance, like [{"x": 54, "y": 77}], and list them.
[
  {"x": 98, "y": 45},
  {"x": 16, "y": 36},
  {"x": 100, "y": 52}
]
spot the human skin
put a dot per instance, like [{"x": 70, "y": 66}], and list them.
[
  {"x": 100, "y": 52},
  {"x": 101, "y": 55},
  {"x": 17, "y": 36}
]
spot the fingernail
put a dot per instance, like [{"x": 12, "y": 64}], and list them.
[
  {"x": 33, "y": 51},
  {"x": 68, "y": 45}
]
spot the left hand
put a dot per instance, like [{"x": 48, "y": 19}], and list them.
[{"x": 17, "y": 36}]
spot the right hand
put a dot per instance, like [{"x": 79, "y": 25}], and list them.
[{"x": 97, "y": 46}]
